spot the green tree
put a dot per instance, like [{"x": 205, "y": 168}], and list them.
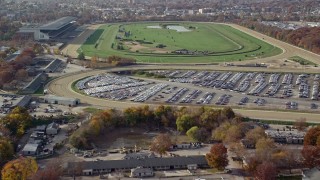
[
  {"x": 198, "y": 134},
  {"x": 185, "y": 122},
  {"x": 79, "y": 139},
  {"x": 6, "y": 149},
  {"x": 81, "y": 56},
  {"x": 221, "y": 132},
  {"x": 228, "y": 112},
  {"x": 193, "y": 133},
  {"x": 218, "y": 157}
]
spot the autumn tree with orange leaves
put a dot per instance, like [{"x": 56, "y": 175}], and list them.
[
  {"x": 311, "y": 147},
  {"x": 161, "y": 144},
  {"x": 19, "y": 169},
  {"x": 218, "y": 157},
  {"x": 266, "y": 171}
]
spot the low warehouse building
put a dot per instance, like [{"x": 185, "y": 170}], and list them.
[
  {"x": 30, "y": 150},
  {"x": 60, "y": 100},
  {"x": 170, "y": 163}
]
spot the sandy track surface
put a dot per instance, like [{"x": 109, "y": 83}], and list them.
[
  {"x": 62, "y": 87},
  {"x": 75, "y": 44},
  {"x": 288, "y": 49}
]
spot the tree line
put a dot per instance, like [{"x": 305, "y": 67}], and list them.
[
  {"x": 197, "y": 123},
  {"x": 306, "y": 37},
  {"x": 204, "y": 124},
  {"x": 13, "y": 71}
]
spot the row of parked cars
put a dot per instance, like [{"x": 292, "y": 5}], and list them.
[
  {"x": 122, "y": 94},
  {"x": 142, "y": 97},
  {"x": 206, "y": 99},
  {"x": 110, "y": 88},
  {"x": 224, "y": 99},
  {"x": 110, "y": 79},
  {"x": 315, "y": 90},
  {"x": 191, "y": 96},
  {"x": 177, "y": 95}
]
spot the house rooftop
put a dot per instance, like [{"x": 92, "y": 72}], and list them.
[{"x": 30, "y": 147}]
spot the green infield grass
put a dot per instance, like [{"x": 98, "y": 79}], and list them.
[{"x": 176, "y": 42}]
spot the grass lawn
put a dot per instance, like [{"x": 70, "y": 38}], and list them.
[
  {"x": 92, "y": 110},
  {"x": 222, "y": 42},
  {"x": 302, "y": 61}
]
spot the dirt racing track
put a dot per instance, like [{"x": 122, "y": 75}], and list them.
[
  {"x": 288, "y": 50},
  {"x": 63, "y": 87}
]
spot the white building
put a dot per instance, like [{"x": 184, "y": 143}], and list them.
[{"x": 141, "y": 172}]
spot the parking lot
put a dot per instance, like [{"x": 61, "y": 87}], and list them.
[{"x": 245, "y": 89}]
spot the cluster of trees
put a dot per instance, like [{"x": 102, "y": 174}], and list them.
[
  {"x": 306, "y": 37},
  {"x": 15, "y": 70},
  {"x": 104, "y": 121},
  {"x": 27, "y": 168},
  {"x": 268, "y": 157},
  {"x": 98, "y": 124},
  {"x": 21, "y": 168},
  {"x": 311, "y": 147},
  {"x": 198, "y": 123},
  {"x": 120, "y": 61},
  {"x": 8, "y": 28},
  {"x": 12, "y": 127},
  {"x": 112, "y": 60}
]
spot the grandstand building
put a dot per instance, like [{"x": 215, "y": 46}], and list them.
[{"x": 50, "y": 31}]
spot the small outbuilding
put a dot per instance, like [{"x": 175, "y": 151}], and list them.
[
  {"x": 30, "y": 150},
  {"x": 52, "y": 129},
  {"x": 141, "y": 172}
]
